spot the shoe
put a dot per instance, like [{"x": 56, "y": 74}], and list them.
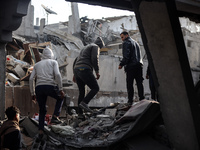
[
  {"x": 85, "y": 107},
  {"x": 39, "y": 138},
  {"x": 55, "y": 120}
]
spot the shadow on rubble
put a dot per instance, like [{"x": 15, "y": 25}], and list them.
[{"x": 117, "y": 127}]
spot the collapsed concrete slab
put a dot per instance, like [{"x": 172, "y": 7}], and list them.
[{"x": 102, "y": 131}]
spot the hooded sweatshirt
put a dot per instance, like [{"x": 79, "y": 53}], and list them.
[
  {"x": 89, "y": 56},
  {"x": 10, "y": 135},
  {"x": 46, "y": 71}
]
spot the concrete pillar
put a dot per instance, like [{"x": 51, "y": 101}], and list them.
[
  {"x": 2, "y": 79},
  {"x": 27, "y": 28},
  {"x": 37, "y": 21},
  {"x": 42, "y": 25},
  {"x": 163, "y": 40},
  {"x": 74, "y": 20}
]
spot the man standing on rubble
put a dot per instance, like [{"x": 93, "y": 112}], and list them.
[
  {"x": 84, "y": 64},
  {"x": 132, "y": 62},
  {"x": 48, "y": 83},
  {"x": 10, "y": 134}
]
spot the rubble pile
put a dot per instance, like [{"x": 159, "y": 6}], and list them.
[
  {"x": 107, "y": 128},
  {"x": 20, "y": 63}
]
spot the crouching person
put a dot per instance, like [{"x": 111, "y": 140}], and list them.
[
  {"x": 48, "y": 83},
  {"x": 10, "y": 131}
]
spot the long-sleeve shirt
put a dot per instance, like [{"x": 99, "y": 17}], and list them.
[
  {"x": 10, "y": 135},
  {"x": 46, "y": 72},
  {"x": 89, "y": 58}
]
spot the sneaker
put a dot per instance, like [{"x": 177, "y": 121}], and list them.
[
  {"x": 56, "y": 120},
  {"x": 85, "y": 107}
]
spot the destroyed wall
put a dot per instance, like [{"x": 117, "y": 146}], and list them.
[
  {"x": 191, "y": 35},
  {"x": 193, "y": 51},
  {"x": 112, "y": 82},
  {"x": 189, "y": 25},
  {"x": 118, "y": 25},
  {"x": 26, "y": 28}
]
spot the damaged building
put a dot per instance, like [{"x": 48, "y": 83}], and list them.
[{"x": 116, "y": 126}]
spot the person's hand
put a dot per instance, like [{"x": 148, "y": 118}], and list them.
[
  {"x": 98, "y": 75},
  {"x": 120, "y": 67},
  {"x": 62, "y": 94},
  {"x": 34, "y": 100},
  {"x": 74, "y": 79}
]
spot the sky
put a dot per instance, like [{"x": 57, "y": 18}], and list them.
[{"x": 63, "y": 10}]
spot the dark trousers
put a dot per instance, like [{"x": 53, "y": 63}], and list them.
[
  {"x": 137, "y": 74},
  {"x": 152, "y": 88},
  {"x": 86, "y": 77},
  {"x": 42, "y": 92}
]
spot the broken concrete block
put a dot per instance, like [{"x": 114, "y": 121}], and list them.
[
  {"x": 9, "y": 60},
  {"x": 111, "y": 112},
  {"x": 62, "y": 130},
  {"x": 29, "y": 126},
  {"x": 13, "y": 78},
  {"x": 136, "y": 110},
  {"x": 19, "y": 71}
]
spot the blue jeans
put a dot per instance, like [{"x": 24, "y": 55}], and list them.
[
  {"x": 42, "y": 92},
  {"x": 86, "y": 77}
]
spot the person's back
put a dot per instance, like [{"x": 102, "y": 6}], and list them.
[
  {"x": 131, "y": 53},
  {"x": 83, "y": 72},
  {"x": 46, "y": 70},
  {"x": 10, "y": 130},
  {"x": 88, "y": 58}
]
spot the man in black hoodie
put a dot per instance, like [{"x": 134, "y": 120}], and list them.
[
  {"x": 10, "y": 131},
  {"x": 84, "y": 64}
]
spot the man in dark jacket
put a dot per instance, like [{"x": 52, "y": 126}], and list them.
[
  {"x": 132, "y": 62},
  {"x": 84, "y": 64},
  {"x": 10, "y": 132}
]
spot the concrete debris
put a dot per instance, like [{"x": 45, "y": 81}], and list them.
[
  {"x": 19, "y": 71},
  {"x": 62, "y": 37},
  {"x": 102, "y": 130},
  {"x": 20, "y": 64},
  {"x": 10, "y": 60},
  {"x": 62, "y": 130},
  {"x": 12, "y": 78},
  {"x": 29, "y": 127}
]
